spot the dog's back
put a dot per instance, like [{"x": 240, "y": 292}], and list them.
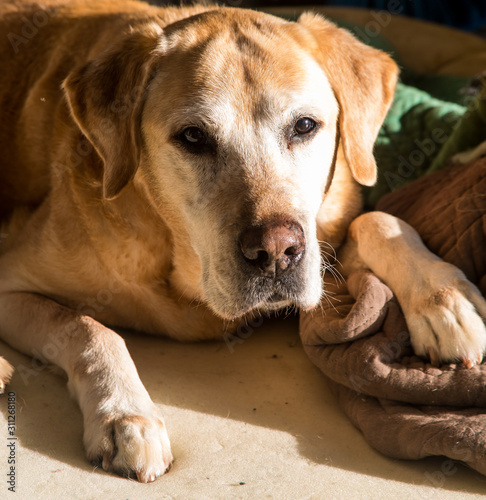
[
  {"x": 29, "y": 98},
  {"x": 38, "y": 48}
]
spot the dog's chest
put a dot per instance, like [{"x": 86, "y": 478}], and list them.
[{"x": 141, "y": 288}]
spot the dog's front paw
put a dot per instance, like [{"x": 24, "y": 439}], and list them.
[
  {"x": 6, "y": 372},
  {"x": 130, "y": 445},
  {"x": 445, "y": 316}
]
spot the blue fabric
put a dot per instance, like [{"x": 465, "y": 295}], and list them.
[{"x": 464, "y": 14}]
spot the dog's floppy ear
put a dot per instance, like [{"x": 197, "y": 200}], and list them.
[
  {"x": 363, "y": 80},
  {"x": 106, "y": 97}
]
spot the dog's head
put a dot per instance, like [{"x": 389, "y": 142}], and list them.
[{"x": 231, "y": 123}]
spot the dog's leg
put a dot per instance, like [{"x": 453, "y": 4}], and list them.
[
  {"x": 443, "y": 310},
  {"x": 6, "y": 372},
  {"x": 123, "y": 430}
]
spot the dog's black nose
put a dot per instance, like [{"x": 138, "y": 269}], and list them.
[{"x": 273, "y": 247}]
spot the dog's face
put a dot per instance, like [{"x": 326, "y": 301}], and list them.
[
  {"x": 237, "y": 135},
  {"x": 239, "y": 142}
]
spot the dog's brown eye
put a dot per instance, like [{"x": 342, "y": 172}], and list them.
[
  {"x": 304, "y": 126},
  {"x": 194, "y": 136},
  {"x": 196, "y": 141}
]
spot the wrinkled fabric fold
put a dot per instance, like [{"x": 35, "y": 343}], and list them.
[{"x": 405, "y": 407}]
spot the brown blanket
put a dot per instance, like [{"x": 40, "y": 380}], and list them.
[{"x": 405, "y": 407}]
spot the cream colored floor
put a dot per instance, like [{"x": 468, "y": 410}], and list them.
[{"x": 256, "y": 423}]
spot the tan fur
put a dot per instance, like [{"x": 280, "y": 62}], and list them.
[{"x": 107, "y": 218}]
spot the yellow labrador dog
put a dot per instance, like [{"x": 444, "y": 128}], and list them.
[{"x": 173, "y": 171}]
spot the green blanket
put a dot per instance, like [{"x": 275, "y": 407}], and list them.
[
  {"x": 420, "y": 134},
  {"x": 430, "y": 120}
]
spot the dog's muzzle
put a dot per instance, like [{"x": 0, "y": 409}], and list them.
[
  {"x": 271, "y": 267},
  {"x": 273, "y": 248}
]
